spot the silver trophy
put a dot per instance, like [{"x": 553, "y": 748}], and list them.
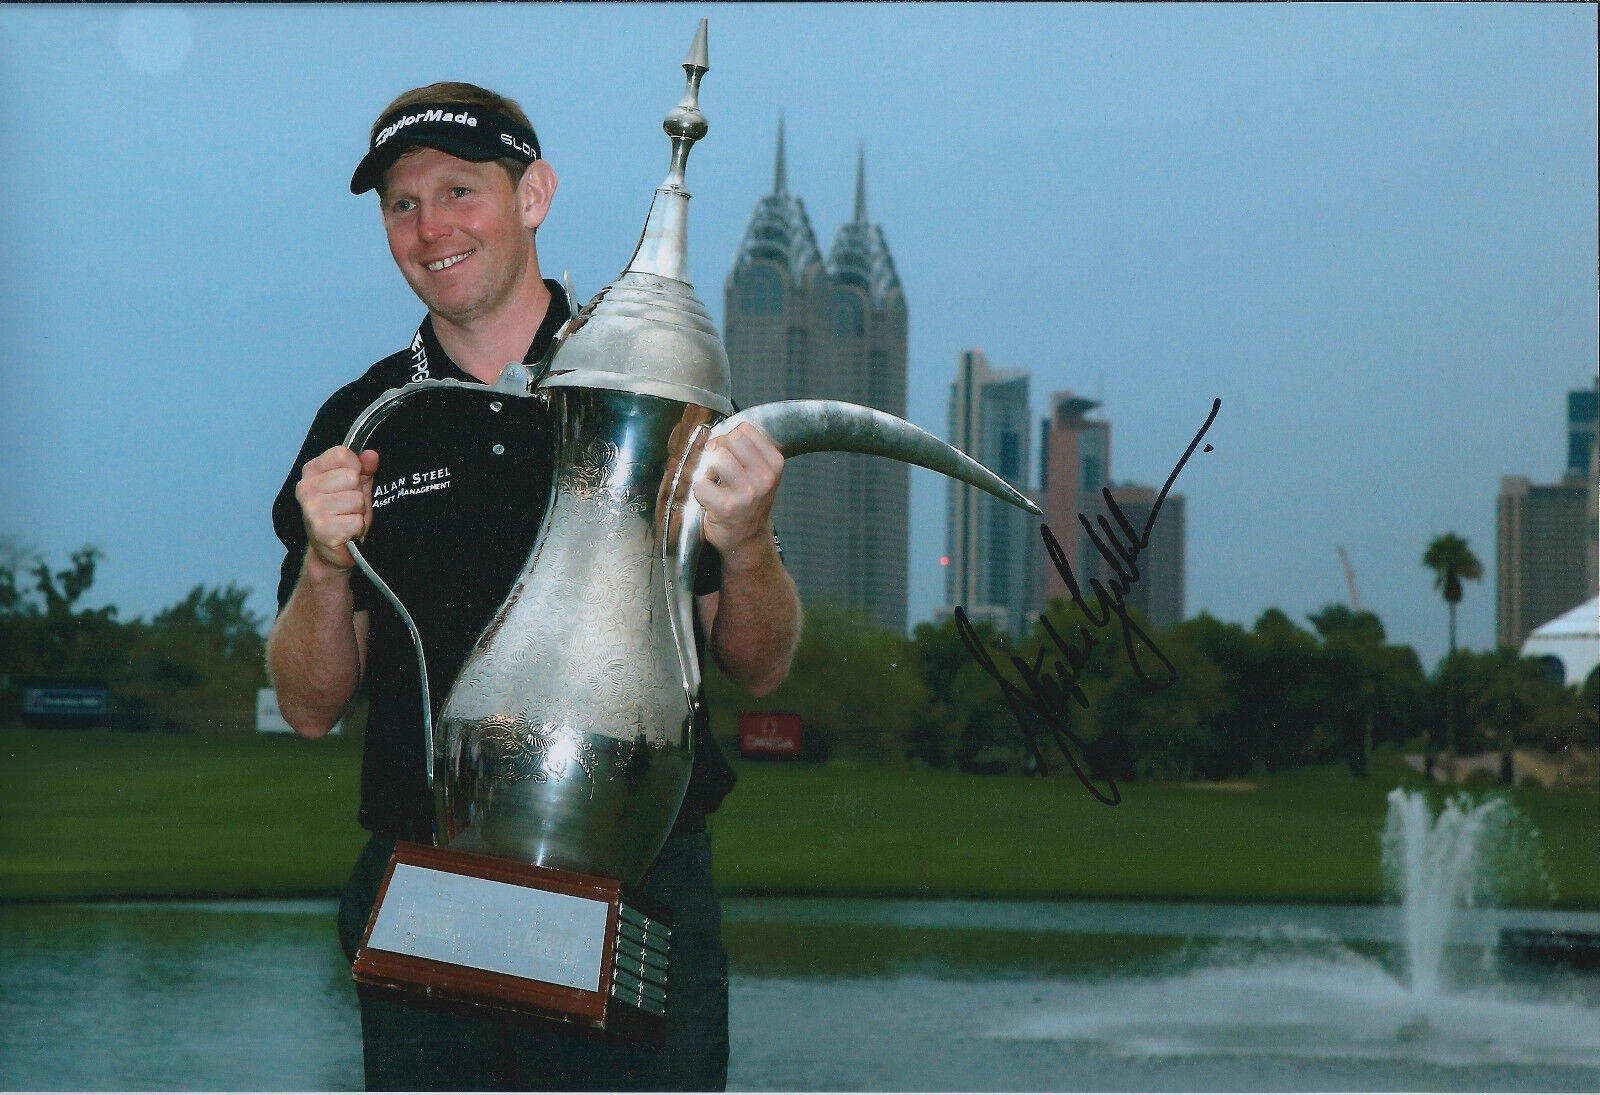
[{"x": 564, "y": 744}]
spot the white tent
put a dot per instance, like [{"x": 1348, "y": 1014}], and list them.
[{"x": 1572, "y": 638}]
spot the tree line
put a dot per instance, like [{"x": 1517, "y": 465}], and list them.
[
  {"x": 1274, "y": 695},
  {"x": 193, "y": 666}
]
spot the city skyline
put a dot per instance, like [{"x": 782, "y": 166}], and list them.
[{"x": 1369, "y": 230}]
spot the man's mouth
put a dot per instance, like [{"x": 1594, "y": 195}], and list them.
[{"x": 445, "y": 264}]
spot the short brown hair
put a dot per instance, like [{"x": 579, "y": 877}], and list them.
[{"x": 457, "y": 93}]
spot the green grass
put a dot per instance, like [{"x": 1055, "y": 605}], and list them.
[
  {"x": 97, "y": 813},
  {"x": 101, "y": 813},
  {"x": 1311, "y": 835}
]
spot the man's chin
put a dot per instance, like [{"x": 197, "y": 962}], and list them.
[{"x": 451, "y": 309}]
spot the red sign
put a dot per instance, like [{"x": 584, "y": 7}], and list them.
[{"x": 768, "y": 735}]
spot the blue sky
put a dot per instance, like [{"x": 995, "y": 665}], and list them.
[{"x": 1370, "y": 230}]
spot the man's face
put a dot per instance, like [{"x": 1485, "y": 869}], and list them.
[{"x": 457, "y": 232}]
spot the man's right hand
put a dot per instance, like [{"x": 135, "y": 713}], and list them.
[{"x": 335, "y": 496}]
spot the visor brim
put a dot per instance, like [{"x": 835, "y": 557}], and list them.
[{"x": 369, "y": 172}]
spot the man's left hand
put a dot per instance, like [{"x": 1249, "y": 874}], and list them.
[{"x": 740, "y": 473}]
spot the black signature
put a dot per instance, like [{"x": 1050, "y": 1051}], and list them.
[{"x": 1044, "y": 694}]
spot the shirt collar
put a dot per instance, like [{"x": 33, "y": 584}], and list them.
[{"x": 557, "y": 313}]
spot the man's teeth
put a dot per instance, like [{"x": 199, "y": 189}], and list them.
[{"x": 444, "y": 264}]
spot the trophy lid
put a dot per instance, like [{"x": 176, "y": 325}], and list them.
[{"x": 647, "y": 332}]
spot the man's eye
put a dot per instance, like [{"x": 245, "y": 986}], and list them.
[
  {"x": 459, "y": 191},
  {"x": 403, "y": 205}
]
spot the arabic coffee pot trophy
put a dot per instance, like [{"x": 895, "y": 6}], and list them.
[{"x": 562, "y": 751}]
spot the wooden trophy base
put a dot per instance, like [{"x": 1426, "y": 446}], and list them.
[{"x": 461, "y": 931}]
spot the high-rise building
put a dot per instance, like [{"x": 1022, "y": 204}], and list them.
[
  {"x": 987, "y": 573},
  {"x": 798, "y": 328},
  {"x": 1157, "y": 592},
  {"x": 1546, "y": 535},
  {"x": 1591, "y": 522},
  {"x": 1583, "y": 419},
  {"x": 1075, "y": 466},
  {"x": 1583, "y": 460},
  {"x": 1540, "y": 553}
]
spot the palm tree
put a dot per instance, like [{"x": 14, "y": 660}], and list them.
[{"x": 1451, "y": 561}]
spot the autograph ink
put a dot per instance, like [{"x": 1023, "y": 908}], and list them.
[{"x": 1045, "y": 693}]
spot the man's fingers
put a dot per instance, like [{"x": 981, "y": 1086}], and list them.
[
  {"x": 337, "y": 530},
  {"x": 753, "y": 448},
  {"x": 335, "y": 495},
  {"x": 336, "y": 457},
  {"x": 369, "y": 468},
  {"x": 744, "y": 458},
  {"x": 335, "y": 481},
  {"x": 711, "y": 494}
]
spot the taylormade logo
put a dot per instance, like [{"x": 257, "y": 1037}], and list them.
[{"x": 424, "y": 116}]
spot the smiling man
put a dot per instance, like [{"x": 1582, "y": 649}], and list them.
[{"x": 461, "y": 487}]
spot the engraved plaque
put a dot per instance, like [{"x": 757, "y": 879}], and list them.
[
  {"x": 494, "y": 926},
  {"x": 458, "y": 930}
]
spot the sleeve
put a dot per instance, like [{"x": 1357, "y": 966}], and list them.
[{"x": 708, "y": 575}]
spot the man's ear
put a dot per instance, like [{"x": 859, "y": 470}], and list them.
[{"x": 535, "y": 191}]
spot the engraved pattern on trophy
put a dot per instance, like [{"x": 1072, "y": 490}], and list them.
[
  {"x": 558, "y": 733},
  {"x": 517, "y": 750}
]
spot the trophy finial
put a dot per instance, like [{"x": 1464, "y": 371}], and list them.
[
  {"x": 647, "y": 332},
  {"x": 684, "y": 123},
  {"x": 663, "y": 248},
  {"x": 697, "y": 51}
]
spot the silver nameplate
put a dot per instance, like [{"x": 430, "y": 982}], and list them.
[{"x": 494, "y": 926}]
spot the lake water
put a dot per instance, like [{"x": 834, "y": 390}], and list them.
[{"x": 852, "y": 995}]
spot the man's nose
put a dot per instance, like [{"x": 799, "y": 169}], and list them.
[{"x": 431, "y": 223}]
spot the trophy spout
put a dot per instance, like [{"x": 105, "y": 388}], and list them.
[{"x": 826, "y": 425}]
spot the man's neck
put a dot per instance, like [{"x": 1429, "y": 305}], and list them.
[{"x": 485, "y": 346}]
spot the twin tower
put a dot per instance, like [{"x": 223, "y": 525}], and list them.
[{"x": 797, "y": 327}]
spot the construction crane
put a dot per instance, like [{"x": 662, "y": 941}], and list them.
[{"x": 1350, "y": 579}]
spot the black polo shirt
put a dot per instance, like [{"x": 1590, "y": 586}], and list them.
[{"x": 463, "y": 482}]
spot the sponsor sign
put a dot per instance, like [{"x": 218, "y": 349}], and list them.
[
  {"x": 61, "y": 703},
  {"x": 763, "y": 734}
]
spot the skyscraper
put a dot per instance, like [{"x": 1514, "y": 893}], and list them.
[
  {"x": 1539, "y": 553},
  {"x": 796, "y": 328},
  {"x": 1075, "y": 465},
  {"x": 1583, "y": 460},
  {"x": 987, "y": 574},
  {"x": 1546, "y": 535},
  {"x": 1158, "y": 590},
  {"x": 1583, "y": 419}
]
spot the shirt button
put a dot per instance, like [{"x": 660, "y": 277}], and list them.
[
  {"x": 495, "y": 406},
  {"x": 499, "y": 450}
]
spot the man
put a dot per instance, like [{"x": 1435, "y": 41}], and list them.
[{"x": 463, "y": 189}]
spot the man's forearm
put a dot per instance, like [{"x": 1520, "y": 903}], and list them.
[
  {"x": 314, "y": 654},
  {"x": 757, "y": 625}
]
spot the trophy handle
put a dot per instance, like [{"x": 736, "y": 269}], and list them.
[
  {"x": 515, "y": 380},
  {"x": 679, "y": 579},
  {"x": 799, "y": 426}
]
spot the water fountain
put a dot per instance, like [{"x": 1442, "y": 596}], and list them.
[
  {"x": 1437, "y": 866},
  {"x": 1285, "y": 997}
]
